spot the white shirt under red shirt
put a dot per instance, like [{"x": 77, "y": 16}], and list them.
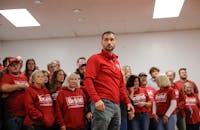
[
  {"x": 163, "y": 99},
  {"x": 192, "y": 105}
]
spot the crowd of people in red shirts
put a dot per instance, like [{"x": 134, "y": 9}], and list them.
[
  {"x": 51, "y": 100},
  {"x": 93, "y": 96}
]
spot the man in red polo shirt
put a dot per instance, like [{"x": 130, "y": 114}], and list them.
[
  {"x": 104, "y": 84},
  {"x": 183, "y": 79},
  {"x": 14, "y": 83}
]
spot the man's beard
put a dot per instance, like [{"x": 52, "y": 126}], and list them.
[
  {"x": 109, "y": 48},
  {"x": 184, "y": 78}
]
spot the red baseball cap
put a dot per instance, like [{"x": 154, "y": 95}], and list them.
[{"x": 12, "y": 60}]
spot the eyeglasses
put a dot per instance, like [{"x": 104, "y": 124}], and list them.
[{"x": 14, "y": 64}]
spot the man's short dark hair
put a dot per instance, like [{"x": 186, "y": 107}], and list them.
[
  {"x": 152, "y": 69},
  {"x": 80, "y": 58},
  {"x": 107, "y": 32},
  {"x": 181, "y": 70}
]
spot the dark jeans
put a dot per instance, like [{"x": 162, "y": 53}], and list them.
[
  {"x": 192, "y": 127},
  {"x": 140, "y": 121},
  {"x": 170, "y": 125},
  {"x": 34, "y": 127},
  {"x": 1, "y": 124},
  {"x": 13, "y": 123},
  {"x": 123, "y": 117},
  {"x": 109, "y": 119},
  {"x": 123, "y": 123},
  {"x": 153, "y": 124}
]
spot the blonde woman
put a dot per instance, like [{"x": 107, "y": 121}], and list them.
[
  {"x": 191, "y": 107},
  {"x": 38, "y": 104},
  {"x": 126, "y": 71},
  {"x": 71, "y": 105},
  {"x": 165, "y": 104}
]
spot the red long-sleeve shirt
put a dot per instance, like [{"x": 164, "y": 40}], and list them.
[
  {"x": 180, "y": 85},
  {"x": 70, "y": 108},
  {"x": 39, "y": 107},
  {"x": 103, "y": 78},
  {"x": 192, "y": 105}
]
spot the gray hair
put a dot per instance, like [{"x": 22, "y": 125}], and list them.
[
  {"x": 66, "y": 82},
  {"x": 32, "y": 77},
  {"x": 174, "y": 73}
]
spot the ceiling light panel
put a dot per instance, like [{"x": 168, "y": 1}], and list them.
[
  {"x": 167, "y": 8},
  {"x": 20, "y": 17}
]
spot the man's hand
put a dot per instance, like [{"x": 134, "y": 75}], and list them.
[
  {"x": 23, "y": 86},
  {"x": 100, "y": 105},
  {"x": 131, "y": 111}
]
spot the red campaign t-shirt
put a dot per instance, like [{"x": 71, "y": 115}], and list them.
[
  {"x": 140, "y": 95},
  {"x": 151, "y": 92},
  {"x": 180, "y": 85},
  {"x": 163, "y": 99},
  {"x": 70, "y": 108},
  {"x": 192, "y": 105},
  {"x": 179, "y": 96},
  {"x": 103, "y": 78},
  {"x": 14, "y": 103},
  {"x": 39, "y": 107}
]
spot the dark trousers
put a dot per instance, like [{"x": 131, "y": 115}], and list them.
[
  {"x": 34, "y": 127},
  {"x": 192, "y": 127},
  {"x": 13, "y": 122},
  {"x": 153, "y": 124}
]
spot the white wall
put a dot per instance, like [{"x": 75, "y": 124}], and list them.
[
  {"x": 167, "y": 50},
  {"x": 1, "y": 50}
]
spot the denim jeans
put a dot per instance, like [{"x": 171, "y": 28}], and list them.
[
  {"x": 109, "y": 119},
  {"x": 13, "y": 122},
  {"x": 140, "y": 121},
  {"x": 123, "y": 123},
  {"x": 170, "y": 125},
  {"x": 123, "y": 116},
  {"x": 152, "y": 124},
  {"x": 193, "y": 126},
  {"x": 34, "y": 127}
]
